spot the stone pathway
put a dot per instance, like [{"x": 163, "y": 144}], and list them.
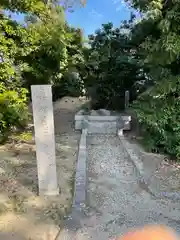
[{"x": 116, "y": 199}]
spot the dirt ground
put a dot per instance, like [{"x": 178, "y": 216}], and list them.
[{"x": 23, "y": 214}]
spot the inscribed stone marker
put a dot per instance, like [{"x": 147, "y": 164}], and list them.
[{"x": 44, "y": 138}]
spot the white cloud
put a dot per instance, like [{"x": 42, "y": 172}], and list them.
[
  {"x": 119, "y": 8},
  {"x": 120, "y": 4},
  {"x": 95, "y": 14},
  {"x": 116, "y": 1}
]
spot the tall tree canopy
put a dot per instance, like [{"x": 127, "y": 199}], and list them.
[
  {"x": 158, "y": 108},
  {"x": 38, "y": 51}
]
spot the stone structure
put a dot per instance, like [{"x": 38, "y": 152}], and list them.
[
  {"x": 127, "y": 98},
  {"x": 107, "y": 124},
  {"x": 44, "y": 138}
]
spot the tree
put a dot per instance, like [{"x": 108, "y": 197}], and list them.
[
  {"x": 72, "y": 81},
  {"x": 113, "y": 65},
  {"x": 49, "y": 56},
  {"x": 158, "y": 107},
  {"x": 37, "y": 52}
]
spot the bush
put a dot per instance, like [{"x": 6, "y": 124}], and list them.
[
  {"x": 13, "y": 110},
  {"x": 69, "y": 85},
  {"x": 159, "y": 117}
]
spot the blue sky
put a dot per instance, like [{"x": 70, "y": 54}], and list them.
[{"x": 97, "y": 12}]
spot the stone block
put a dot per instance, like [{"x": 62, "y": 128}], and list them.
[{"x": 44, "y": 138}]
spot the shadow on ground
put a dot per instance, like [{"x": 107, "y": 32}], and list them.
[{"x": 24, "y": 214}]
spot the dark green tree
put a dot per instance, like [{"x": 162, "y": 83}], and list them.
[{"x": 113, "y": 64}]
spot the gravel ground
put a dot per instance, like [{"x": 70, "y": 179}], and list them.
[
  {"x": 23, "y": 214},
  {"x": 161, "y": 173},
  {"x": 116, "y": 200}
]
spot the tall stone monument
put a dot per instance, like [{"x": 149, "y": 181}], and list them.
[{"x": 44, "y": 138}]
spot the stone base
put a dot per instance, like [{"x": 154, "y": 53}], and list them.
[{"x": 102, "y": 124}]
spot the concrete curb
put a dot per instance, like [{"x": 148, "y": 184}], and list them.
[
  {"x": 140, "y": 169},
  {"x": 67, "y": 233},
  {"x": 80, "y": 178}
]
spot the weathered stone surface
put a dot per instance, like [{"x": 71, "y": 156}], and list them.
[
  {"x": 102, "y": 127},
  {"x": 80, "y": 178},
  {"x": 102, "y": 121},
  {"x": 44, "y": 138}
]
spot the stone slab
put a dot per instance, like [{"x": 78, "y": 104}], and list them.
[
  {"x": 44, "y": 138},
  {"x": 96, "y": 118},
  {"x": 102, "y": 127}
]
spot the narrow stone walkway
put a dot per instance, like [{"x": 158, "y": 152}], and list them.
[{"x": 116, "y": 200}]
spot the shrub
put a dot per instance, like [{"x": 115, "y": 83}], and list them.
[
  {"x": 159, "y": 117},
  {"x": 69, "y": 85},
  {"x": 13, "y": 110}
]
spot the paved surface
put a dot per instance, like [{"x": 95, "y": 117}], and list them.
[{"x": 116, "y": 199}]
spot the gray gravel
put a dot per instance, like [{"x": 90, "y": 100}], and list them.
[
  {"x": 116, "y": 197},
  {"x": 116, "y": 200}
]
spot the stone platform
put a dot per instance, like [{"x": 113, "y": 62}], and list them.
[{"x": 102, "y": 121}]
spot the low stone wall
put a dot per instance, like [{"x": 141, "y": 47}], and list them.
[
  {"x": 102, "y": 123},
  {"x": 80, "y": 178}
]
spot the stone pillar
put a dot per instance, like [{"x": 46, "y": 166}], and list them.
[
  {"x": 127, "y": 98},
  {"x": 44, "y": 137}
]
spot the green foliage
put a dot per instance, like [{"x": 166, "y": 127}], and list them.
[
  {"x": 13, "y": 110},
  {"x": 42, "y": 50},
  {"x": 158, "y": 108},
  {"x": 112, "y": 66},
  {"x": 158, "y": 113},
  {"x": 49, "y": 54},
  {"x": 72, "y": 84},
  {"x": 36, "y": 7},
  {"x": 69, "y": 85}
]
